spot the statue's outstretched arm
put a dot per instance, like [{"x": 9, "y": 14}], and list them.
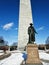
[{"x": 35, "y": 31}]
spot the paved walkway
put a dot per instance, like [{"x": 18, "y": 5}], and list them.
[{"x": 14, "y": 59}]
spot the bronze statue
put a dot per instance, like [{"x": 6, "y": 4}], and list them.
[{"x": 31, "y": 33}]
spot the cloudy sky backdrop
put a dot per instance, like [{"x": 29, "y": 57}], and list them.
[{"x": 9, "y": 19}]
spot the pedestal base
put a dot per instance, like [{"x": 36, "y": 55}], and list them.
[
  {"x": 34, "y": 64},
  {"x": 33, "y": 55}
]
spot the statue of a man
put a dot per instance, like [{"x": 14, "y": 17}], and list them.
[{"x": 31, "y": 33}]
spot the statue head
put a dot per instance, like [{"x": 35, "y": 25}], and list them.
[{"x": 31, "y": 24}]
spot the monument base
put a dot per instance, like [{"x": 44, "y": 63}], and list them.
[
  {"x": 33, "y": 55},
  {"x": 34, "y": 64}
]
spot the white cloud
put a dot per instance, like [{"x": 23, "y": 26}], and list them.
[
  {"x": 8, "y": 26},
  {"x": 40, "y": 28}
]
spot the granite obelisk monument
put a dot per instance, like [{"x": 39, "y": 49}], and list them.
[{"x": 25, "y": 18}]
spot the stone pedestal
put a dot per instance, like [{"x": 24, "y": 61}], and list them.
[{"x": 33, "y": 55}]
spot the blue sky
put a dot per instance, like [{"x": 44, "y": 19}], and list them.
[
  {"x": 9, "y": 19},
  {"x": 40, "y": 10}
]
